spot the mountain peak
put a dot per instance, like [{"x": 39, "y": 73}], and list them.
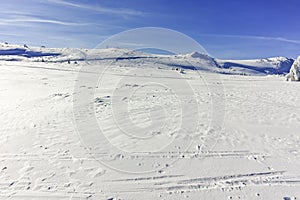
[{"x": 196, "y": 54}]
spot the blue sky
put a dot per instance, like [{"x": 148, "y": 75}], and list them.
[{"x": 226, "y": 29}]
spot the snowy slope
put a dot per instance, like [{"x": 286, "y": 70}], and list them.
[
  {"x": 194, "y": 60},
  {"x": 275, "y": 65},
  {"x": 166, "y": 133}
]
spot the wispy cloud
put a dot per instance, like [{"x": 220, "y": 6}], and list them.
[
  {"x": 100, "y": 9},
  {"x": 280, "y": 39},
  {"x": 37, "y": 20}
]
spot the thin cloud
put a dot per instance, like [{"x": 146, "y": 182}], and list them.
[
  {"x": 280, "y": 39},
  {"x": 100, "y": 9},
  {"x": 37, "y": 20}
]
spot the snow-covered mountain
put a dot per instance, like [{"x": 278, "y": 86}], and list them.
[
  {"x": 274, "y": 65},
  {"x": 194, "y": 60}
]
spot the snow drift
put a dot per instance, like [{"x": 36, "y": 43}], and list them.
[{"x": 294, "y": 74}]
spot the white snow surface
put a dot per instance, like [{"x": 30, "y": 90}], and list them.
[
  {"x": 43, "y": 153},
  {"x": 294, "y": 74},
  {"x": 194, "y": 60}
]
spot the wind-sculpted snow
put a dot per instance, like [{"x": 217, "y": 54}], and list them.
[
  {"x": 137, "y": 102},
  {"x": 294, "y": 74},
  {"x": 255, "y": 156},
  {"x": 27, "y": 53}
]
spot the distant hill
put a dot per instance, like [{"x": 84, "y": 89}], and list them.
[{"x": 192, "y": 61}]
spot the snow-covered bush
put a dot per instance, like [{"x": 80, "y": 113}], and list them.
[{"x": 294, "y": 74}]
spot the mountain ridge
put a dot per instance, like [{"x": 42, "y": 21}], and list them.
[{"x": 193, "y": 60}]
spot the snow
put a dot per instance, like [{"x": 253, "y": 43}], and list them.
[
  {"x": 210, "y": 133},
  {"x": 294, "y": 74},
  {"x": 275, "y": 65}
]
